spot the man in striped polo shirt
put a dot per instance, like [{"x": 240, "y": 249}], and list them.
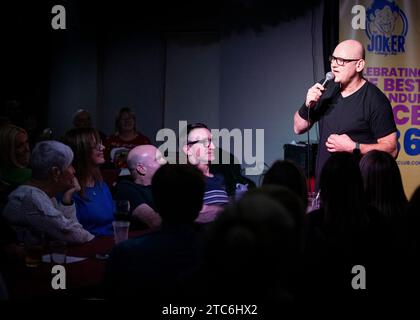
[{"x": 200, "y": 152}]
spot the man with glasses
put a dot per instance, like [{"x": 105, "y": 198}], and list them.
[
  {"x": 200, "y": 152},
  {"x": 353, "y": 114}
]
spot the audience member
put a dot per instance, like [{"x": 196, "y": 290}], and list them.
[
  {"x": 33, "y": 210},
  {"x": 287, "y": 174},
  {"x": 142, "y": 161},
  {"x": 14, "y": 161},
  {"x": 293, "y": 203},
  {"x": 383, "y": 184},
  {"x": 14, "y": 156},
  {"x": 200, "y": 152},
  {"x": 3, "y": 290},
  {"x": 249, "y": 253},
  {"x": 411, "y": 269},
  {"x": 83, "y": 119},
  {"x": 125, "y": 138},
  {"x": 344, "y": 232},
  {"x": 94, "y": 203},
  {"x": 384, "y": 191},
  {"x": 413, "y": 215},
  {"x": 343, "y": 204},
  {"x": 153, "y": 265}
]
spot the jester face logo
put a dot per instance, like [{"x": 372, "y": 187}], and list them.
[{"x": 387, "y": 27}]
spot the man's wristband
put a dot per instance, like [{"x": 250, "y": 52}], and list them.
[{"x": 303, "y": 112}]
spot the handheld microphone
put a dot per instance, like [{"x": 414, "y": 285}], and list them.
[{"x": 328, "y": 77}]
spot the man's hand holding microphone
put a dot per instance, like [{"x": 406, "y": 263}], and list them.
[{"x": 315, "y": 92}]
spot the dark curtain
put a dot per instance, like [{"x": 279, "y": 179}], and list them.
[{"x": 330, "y": 29}]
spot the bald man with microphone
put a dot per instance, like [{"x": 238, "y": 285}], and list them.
[{"x": 353, "y": 114}]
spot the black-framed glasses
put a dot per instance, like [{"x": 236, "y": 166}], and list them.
[
  {"x": 205, "y": 142},
  {"x": 341, "y": 61}
]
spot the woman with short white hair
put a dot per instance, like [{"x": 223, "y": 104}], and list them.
[{"x": 33, "y": 210}]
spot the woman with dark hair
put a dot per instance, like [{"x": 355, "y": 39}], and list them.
[
  {"x": 342, "y": 200},
  {"x": 287, "y": 174},
  {"x": 344, "y": 231},
  {"x": 413, "y": 216},
  {"x": 125, "y": 138},
  {"x": 384, "y": 192},
  {"x": 94, "y": 203},
  {"x": 383, "y": 184}
]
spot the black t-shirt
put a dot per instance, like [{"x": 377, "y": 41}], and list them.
[
  {"x": 137, "y": 194},
  {"x": 365, "y": 116}
]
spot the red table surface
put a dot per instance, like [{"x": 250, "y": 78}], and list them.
[{"x": 84, "y": 279}]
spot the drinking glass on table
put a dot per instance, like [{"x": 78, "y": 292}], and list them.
[
  {"x": 58, "y": 251},
  {"x": 122, "y": 210},
  {"x": 120, "y": 230}
]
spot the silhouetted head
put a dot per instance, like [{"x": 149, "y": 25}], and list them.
[
  {"x": 287, "y": 174},
  {"x": 382, "y": 183},
  {"x": 292, "y": 203},
  {"x": 413, "y": 209},
  {"x": 250, "y": 249},
  {"x": 178, "y": 192},
  {"x": 342, "y": 192}
]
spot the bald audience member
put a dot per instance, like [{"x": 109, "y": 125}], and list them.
[{"x": 142, "y": 161}]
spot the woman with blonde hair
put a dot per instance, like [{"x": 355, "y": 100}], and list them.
[
  {"x": 14, "y": 160},
  {"x": 94, "y": 203},
  {"x": 14, "y": 155}
]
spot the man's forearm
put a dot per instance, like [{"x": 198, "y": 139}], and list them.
[
  {"x": 387, "y": 143},
  {"x": 391, "y": 149},
  {"x": 300, "y": 125},
  {"x": 147, "y": 215},
  {"x": 343, "y": 143}
]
